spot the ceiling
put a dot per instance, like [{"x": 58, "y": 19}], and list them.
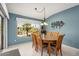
[{"x": 28, "y": 9}]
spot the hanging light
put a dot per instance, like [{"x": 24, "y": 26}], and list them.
[{"x": 44, "y": 20}]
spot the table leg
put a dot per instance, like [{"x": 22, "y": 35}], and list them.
[{"x": 49, "y": 48}]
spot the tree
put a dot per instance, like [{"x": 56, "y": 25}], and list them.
[{"x": 27, "y": 28}]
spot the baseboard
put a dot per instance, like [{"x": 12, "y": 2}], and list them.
[{"x": 70, "y": 47}]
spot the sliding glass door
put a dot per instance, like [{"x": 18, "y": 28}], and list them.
[{"x": 1, "y": 33}]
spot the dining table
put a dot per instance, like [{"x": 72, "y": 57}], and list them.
[{"x": 49, "y": 41}]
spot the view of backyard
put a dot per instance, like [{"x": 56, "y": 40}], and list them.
[{"x": 25, "y": 28}]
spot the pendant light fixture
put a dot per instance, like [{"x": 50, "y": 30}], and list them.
[{"x": 44, "y": 19}]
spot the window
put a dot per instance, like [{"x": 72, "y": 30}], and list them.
[{"x": 26, "y": 26}]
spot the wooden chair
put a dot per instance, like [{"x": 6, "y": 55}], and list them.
[
  {"x": 48, "y": 35},
  {"x": 34, "y": 41},
  {"x": 58, "y": 47},
  {"x": 40, "y": 44},
  {"x": 54, "y": 36}
]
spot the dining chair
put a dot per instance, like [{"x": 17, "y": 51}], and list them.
[
  {"x": 58, "y": 46},
  {"x": 54, "y": 36},
  {"x": 40, "y": 44},
  {"x": 48, "y": 37},
  {"x": 34, "y": 41},
  {"x": 48, "y": 33}
]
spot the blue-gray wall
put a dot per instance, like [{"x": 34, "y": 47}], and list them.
[
  {"x": 12, "y": 28},
  {"x": 71, "y": 26}
]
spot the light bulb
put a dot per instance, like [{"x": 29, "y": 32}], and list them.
[
  {"x": 45, "y": 23},
  {"x": 42, "y": 24}
]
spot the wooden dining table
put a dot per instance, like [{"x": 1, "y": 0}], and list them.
[{"x": 49, "y": 41}]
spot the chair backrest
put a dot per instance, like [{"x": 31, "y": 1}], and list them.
[
  {"x": 59, "y": 41},
  {"x": 55, "y": 35},
  {"x": 48, "y": 35},
  {"x": 33, "y": 38},
  {"x": 39, "y": 41}
]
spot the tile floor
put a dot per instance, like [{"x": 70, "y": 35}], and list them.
[{"x": 26, "y": 49}]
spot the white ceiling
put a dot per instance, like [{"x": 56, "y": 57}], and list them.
[{"x": 28, "y": 9}]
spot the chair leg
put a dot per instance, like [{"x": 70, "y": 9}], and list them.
[
  {"x": 61, "y": 52},
  {"x": 36, "y": 48},
  {"x": 56, "y": 53},
  {"x": 42, "y": 52},
  {"x": 32, "y": 45}
]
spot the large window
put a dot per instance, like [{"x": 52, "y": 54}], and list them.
[{"x": 26, "y": 26}]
